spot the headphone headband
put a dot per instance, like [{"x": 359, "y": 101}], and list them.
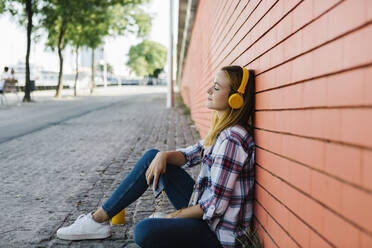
[{"x": 244, "y": 82}]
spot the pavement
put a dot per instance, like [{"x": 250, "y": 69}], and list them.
[{"x": 60, "y": 158}]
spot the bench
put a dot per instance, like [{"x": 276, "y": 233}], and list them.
[{"x": 10, "y": 86}]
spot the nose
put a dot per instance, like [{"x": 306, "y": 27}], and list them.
[{"x": 209, "y": 90}]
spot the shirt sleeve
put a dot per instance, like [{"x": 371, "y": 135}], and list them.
[
  {"x": 228, "y": 164},
  {"x": 192, "y": 154}
]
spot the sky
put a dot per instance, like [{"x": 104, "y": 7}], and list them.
[{"x": 13, "y": 42}]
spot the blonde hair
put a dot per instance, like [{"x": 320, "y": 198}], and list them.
[{"x": 243, "y": 116}]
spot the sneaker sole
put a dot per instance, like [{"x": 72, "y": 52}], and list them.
[{"x": 83, "y": 236}]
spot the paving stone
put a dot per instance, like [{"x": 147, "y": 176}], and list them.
[{"x": 49, "y": 177}]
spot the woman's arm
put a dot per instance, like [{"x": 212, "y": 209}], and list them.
[
  {"x": 194, "y": 212},
  {"x": 175, "y": 158},
  {"x": 159, "y": 165}
]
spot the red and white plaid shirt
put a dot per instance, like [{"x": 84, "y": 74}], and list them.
[{"x": 225, "y": 183}]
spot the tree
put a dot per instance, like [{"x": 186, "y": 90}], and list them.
[
  {"x": 29, "y": 9},
  {"x": 86, "y": 23},
  {"x": 119, "y": 19},
  {"x": 59, "y": 16},
  {"x": 147, "y": 58}
]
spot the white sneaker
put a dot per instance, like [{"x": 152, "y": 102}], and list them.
[
  {"x": 85, "y": 227},
  {"x": 157, "y": 215}
]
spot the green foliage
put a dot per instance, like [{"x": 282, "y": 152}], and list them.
[
  {"x": 17, "y": 9},
  {"x": 147, "y": 57},
  {"x": 101, "y": 68},
  {"x": 2, "y": 6},
  {"x": 87, "y": 22}
]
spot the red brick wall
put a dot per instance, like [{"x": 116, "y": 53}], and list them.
[{"x": 313, "y": 129}]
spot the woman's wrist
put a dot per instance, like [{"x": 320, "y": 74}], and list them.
[{"x": 164, "y": 155}]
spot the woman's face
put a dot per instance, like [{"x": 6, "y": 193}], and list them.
[{"x": 218, "y": 93}]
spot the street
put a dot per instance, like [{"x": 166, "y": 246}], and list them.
[{"x": 61, "y": 158}]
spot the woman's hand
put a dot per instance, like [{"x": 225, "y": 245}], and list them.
[{"x": 157, "y": 167}]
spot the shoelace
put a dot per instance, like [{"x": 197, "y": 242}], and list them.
[{"x": 79, "y": 218}]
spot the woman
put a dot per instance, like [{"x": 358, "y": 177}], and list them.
[{"x": 221, "y": 208}]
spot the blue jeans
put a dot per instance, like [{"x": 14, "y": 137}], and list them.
[{"x": 162, "y": 232}]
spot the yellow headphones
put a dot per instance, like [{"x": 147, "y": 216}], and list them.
[{"x": 236, "y": 100}]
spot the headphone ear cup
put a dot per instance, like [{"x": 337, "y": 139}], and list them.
[{"x": 236, "y": 101}]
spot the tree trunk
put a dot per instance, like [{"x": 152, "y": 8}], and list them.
[
  {"x": 27, "y": 97},
  {"x": 60, "y": 49},
  {"x": 93, "y": 84},
  {"x": 77, "y": 70}
]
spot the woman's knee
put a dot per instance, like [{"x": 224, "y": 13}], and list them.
[
  {"x": 142, "y": 233},
  {"x": 151, "y": 153}
]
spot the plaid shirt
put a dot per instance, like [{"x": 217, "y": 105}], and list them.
[{"x": 224, "y": 187}]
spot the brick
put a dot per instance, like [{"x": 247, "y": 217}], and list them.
[
  {"x": 284, "y": 28},
  {"x": 356, "y": 126},
  {"x": 367, "y": 97},
  {"x": 365, "y": 240},
  {"x": 368, "y": 10},
  {"x": 321, "y": 6},
  {"x": 344, "y": 162},
  {"x": 326, "y": 190},
  {"x": 346, "y": 89},
  {"x": 344, "y": 17},
  {"x": 293, "y": 96},
  {"x": 269, "y": 141},
  {"x": 299, "y": 231},
  {"x": 290, "y": 147},
  {"x": 339, "y": 232},
  {"x": 260, "y": 214},
  {"x": 290, "y": 197},
  {"x": 277, "y": 55},
  {"x": 274, "y": 229},
  {"x": 279, "y": 212},
  {"x": 302, "y": 67},
  {"x": 356, "y": 206},
  {"x": 333, "y": 124},
  {"x": 284, "y": 74},
  {"x": 284, "y": 120},
  {"x": 315, "y": 158},
  {"x": 293, "y": 45},
  {"x": 289, "y": 4},
  {"x": 286, "y": 241},
  {"x": 314, "y": 34},
  {"x": 367, "y": 169},
  {"x": 265, "y": 80},
  {"x": 300, "y": 177},
  {"x": 276, "y": 12},
  {"x": 311, "y": 212},
  {"x": 323, "y": 62},
  {"x": 275, "y": 164},
  {"x": 317, "y": 241},
  {"x": 302, "y": 15},
  {"x": 309, "y": 122},
  {"x": 360, "y": 54},
  {"x": 314, "y": 93}
]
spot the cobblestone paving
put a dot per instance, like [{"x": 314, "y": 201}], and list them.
[{"x": 51, "y": 176}]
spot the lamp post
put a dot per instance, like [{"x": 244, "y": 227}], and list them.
[{"x": 170, "y": 95}]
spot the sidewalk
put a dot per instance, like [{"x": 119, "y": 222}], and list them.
[{"x": 144, "y": 124}]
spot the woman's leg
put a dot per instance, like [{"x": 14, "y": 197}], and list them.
[
  {"x": 131, "y": 188},
  {"x": 178, "y": 232},
  {"x": 178, "y": 186}
]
